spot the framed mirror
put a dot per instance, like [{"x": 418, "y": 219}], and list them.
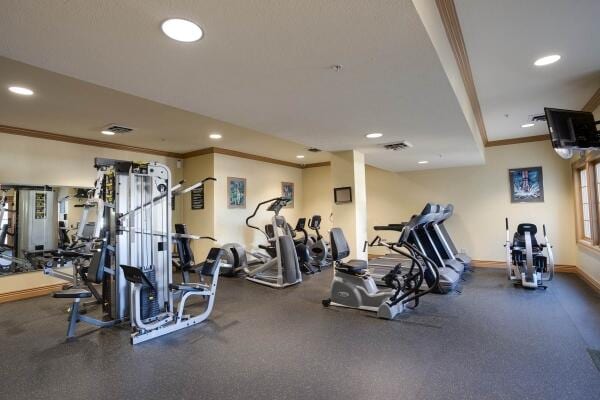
[{"x": 36, "y": 221}]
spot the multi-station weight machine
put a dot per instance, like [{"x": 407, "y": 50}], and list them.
[{"x": 135, "y": 265}]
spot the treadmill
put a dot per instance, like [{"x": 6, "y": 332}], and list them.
[
  {"x": 417, "y": 236},
  {"x": 449, "y": 277},
  {"x": 445, "y": 238},
  {"x": 438, "y": 249}
]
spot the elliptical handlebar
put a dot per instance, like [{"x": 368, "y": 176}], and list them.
[
  {"x": 390, "y": 227},
  {"x": 277, "y": 204}
]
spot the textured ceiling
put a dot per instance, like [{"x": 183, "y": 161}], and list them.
[
  {"x": 504, "y": 38},
  {"x": 263, "y": 65},
  {"x": 72, "y": 107}
]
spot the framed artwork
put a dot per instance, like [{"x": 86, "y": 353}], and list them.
[
  {"x": 236, "y": 192},
  {"x": 287, "y": 190},
  {"x": 526, "y": 185},
  {"x": 342, "y": 195}
]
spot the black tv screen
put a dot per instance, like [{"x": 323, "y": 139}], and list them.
[{"x": 572, "y": 129}]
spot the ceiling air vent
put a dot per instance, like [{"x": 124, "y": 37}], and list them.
[
  {"x": 398, "y": 146},
  {"x": 118, "y": 129},
  {"x": 538, "y": 118},
  {"x": 314, "y": 150}
]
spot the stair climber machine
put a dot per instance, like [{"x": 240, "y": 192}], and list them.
[
  {"x": 353, "y": 287},
  {"x": 526, "y": 263},
  {"x": 277, "y": 265},
  {"x": 418, "y": 237},
  {"x": 446, "y": 239},
  {"x": 135, "y": 264}
]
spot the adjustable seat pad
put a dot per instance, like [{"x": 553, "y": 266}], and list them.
[
  {"x": 72, "y": 294},
  {"x": 355, "y": 266},
  {"x": 189, "y": 287}
]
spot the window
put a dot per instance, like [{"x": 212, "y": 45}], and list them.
[
  {"x": 585, "y": 204},
  {"x": 597, "y": 176},
  {"x": 586, "y": 175}
]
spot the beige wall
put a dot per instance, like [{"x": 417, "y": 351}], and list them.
[
  {"x": 263, "y": 182},
  {"x": 348, "y": 170},
  {"x": 26, "y": 160},
  {"x": 481, "y": 198},
  {"x": 480, "y": 193},
  {"x": 589, "y": 259},
  {"x": 386, "y": 204},
  {"x": 317, "y": 196},
  {"x": 199, "y": 222}
]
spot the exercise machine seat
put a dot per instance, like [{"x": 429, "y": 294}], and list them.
[
  {"x": 72, "y": 294},
  {"x": 340, "y": 250},
  {"x": 73, "y": 254},
  {"x": 519, "y": 238},
  {"x": 189, "y": 287},
  {"x": 354, "y": 266},
  {"x": 95, "y": 271}
]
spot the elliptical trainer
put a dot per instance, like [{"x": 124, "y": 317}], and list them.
[{"x": 282, "y": 269}]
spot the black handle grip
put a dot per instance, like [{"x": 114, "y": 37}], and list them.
[
  {"x": 506, "y": 220},
  {"x": 377, "y": 238},
  {"x": 365, "y": 246},
  {"x": 544, "y": 227},
  {"x": 208, "y": 237}
]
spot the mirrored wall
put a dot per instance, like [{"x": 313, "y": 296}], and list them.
[{"x": 36, "y": 221}]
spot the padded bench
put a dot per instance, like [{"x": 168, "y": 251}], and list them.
[
  {"x": 72, "y": 294},
  {"x": 189, "y": 287}
]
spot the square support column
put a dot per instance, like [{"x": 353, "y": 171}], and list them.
[{"x": 348, "y": 169}]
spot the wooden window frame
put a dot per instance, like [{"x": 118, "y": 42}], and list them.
[{"x": 587, "y": 162}]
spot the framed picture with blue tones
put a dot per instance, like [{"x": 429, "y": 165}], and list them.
[
  {"x": 287, "y": 191},
  {"x": 526, "y": 185},
  {"x": 236, "y": 192}
]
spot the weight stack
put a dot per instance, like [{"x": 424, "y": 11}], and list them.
[{"x": 149, "y": 299}]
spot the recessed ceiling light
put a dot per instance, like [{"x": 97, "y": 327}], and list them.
[
  {"x": 299, "y": 156},
  {"x": 107, "y": 133},
  {"x": 546, "y": 60},
  {"x": 21, "y": 90},
  {"x": 182, "y": 30},
  {"x": 527, "y": 125},
  {"x": 423, "y": 162},
  {"x": 215, "y": 136},
  {"x": 374, "y": 135}
]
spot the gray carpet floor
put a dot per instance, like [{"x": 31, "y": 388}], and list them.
[{"x": 492, "y": 341}]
